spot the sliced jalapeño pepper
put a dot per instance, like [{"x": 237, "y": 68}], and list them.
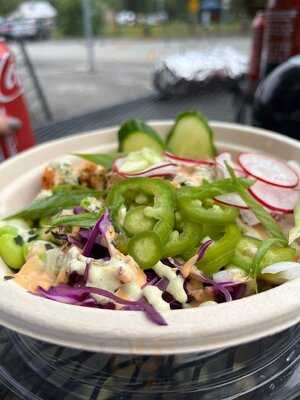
[
  {"x": 246, "y": 250},
  {"x": 191, "y": 203},
  {"x": 180, "y": 242},
  {"x": 193, "y": 210},
  {"x": 162, "y": 211},
  {"x": 220, "y": 253},
  {"x": 146, "y": 249},
  {"x": 137, "y": 222}
]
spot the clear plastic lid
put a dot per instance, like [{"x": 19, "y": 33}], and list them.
[{"x": 261, "y": 370}]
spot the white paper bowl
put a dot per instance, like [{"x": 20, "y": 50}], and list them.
[{"x": 129, "y": 332}]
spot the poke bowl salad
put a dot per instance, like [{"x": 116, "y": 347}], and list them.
[{"x": 157, "y": 225}]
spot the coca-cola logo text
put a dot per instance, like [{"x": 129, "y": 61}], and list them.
[{"x": 10, "y": 86}]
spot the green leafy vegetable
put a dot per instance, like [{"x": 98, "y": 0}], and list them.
[
  {"x": 65, "y": 196},
  {"x": 106, "y": 160},
  {"x": 294, "y": 233},
  {"x": 73, "y": 189},
  {"x": 261, "y": 252},
  {"x": 209, "y": 190},
  {"x": 261, "y": 214},
  {"x": 84, "y": 220}
]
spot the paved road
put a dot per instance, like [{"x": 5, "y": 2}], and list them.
[{"x": 123, "y": 69}]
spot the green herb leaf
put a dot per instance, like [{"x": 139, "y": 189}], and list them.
[
  {"x": 63, "y": 197},
  {"x": 84, "y": 220},
  {"x": 106, "y": 160},
  {"x": 261, "y": 252},
  {"x": 72, "y": 188},
  {"x": 261, "y": 214},
  {"x": 213, "y": 189}
]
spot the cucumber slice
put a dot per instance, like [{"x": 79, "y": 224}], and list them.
[
  {"x": 191, "y": 137},
  {"x": 135, "y": 135}
]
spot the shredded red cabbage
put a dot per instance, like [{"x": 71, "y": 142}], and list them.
[
  {"x": 229, "y": 290},
  {"x": 162, "y": 284},
  {"x": 174, "y": 304},
  {"x": 76, "y": 279},
  {"x": 76, "y": 242},
  {"x": 86, "y": 272},
  {"x": 84, "y": 233},
  {"x": 151, "y": 276},
  {"x": 79, "y": 296},
  {"x": 171, "y": 262},
  {"x": 236, "y": 289},
  {"x": 100, "y": 228},
  {"x": 154, "y": 280},
  {"x": 218, "y": 287},
  {"x": 78, "y": 210},
  {"x": 203, "y": 248}
]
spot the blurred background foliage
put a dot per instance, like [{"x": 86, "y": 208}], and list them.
[{"x": 69, "y": 20}]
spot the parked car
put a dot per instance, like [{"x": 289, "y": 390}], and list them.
[
  {"x": 154, "y": 18},
  {"x": 5, "y": 29},
  {"x": 126, "y": 18},
  {"x": 25, "y": 29}
]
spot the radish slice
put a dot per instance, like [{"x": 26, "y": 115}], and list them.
[
  {"x": 188, "y": 161},
  {"x": 232, "y": 199},
  {"x": 269, "y": 170},
  {"x": 162, "y": 169},
  {"x": 275, "y": 198},
  {"x": 296, "y": 168},
  {"x": 221, "y": 161}
]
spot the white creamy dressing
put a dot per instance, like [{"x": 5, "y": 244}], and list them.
[
  {"x": 53, "y": 260},
  {"x": 74, "y": 261},
  {"x": 122, "y": 214},
  {"x": 154, "y": 296},
  {"x": 175, "y": 285},
  {"x": 91, "y": 204},
  {"x": 102, "y": 274},
  {"x": 106, "y": 275},
  {"x": 208, "y": 303},
  {"x": 132, "y": 291}
]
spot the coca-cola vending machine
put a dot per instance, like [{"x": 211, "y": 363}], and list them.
[{"x": 12, "y": 104}]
